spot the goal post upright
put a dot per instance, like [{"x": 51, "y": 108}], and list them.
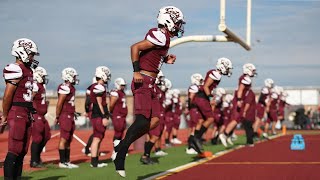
[{"x": 230, "y": 35}]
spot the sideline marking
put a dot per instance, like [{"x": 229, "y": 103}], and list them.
[
  {"x": 202, "y": 161},
  {"x": 263, "y": 163}
]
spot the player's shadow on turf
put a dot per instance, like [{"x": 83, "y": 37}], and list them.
[
  {"x": 52, "y": 178},
  {"x": 148, "y": 175}
]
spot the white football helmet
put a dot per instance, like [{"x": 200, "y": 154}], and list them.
[
  {"x": 224, "y": 65},
  {"x": 104, "y": 73},
  {"x": 220, "y": 92},
  {"x": 119, "y": 82},
  {"x": 229, "y": 98},
  {"x": 39, "y": 74},
  {"x": 22, "y": 48},
  {"x": 277, "y": 89},
  {"x": 70, "y": 74},
  {"x": 167, "y": 83},
  {"x": 159, "y": 79},
  {"x": 175, "y": 92},
  {"x": 268, "y": 83},
  {"x": 249, "y": 69},
  {"x": 196, "y": 79},
  {"x": 172, "y": 18}
]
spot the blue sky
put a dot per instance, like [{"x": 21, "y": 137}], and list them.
[{"x": 86, "y": 34}]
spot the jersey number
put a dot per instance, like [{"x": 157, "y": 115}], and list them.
[
  {"x": 123, "y": 102},
  {"x": 28, "y": 96},
  {"x": 71, "y": 101}
]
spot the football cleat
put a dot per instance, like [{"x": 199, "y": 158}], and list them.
[
  {"x": 64, "y": 165},
  {"x": 100, "y": 165},
  {"x": 122, "y": 173},
  {"x": 175, "y": 141},
  {"x": 229, "y": 140},
  {"x": 72, "y": 165},
  {"x": 146, "y": 160},
  {"x": 191, "y": 151},
  {"x": 160, "y": 153},
  {"x": 223, "y": 139}
]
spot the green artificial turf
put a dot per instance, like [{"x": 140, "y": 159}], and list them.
[{"x": 134, "y": 169}]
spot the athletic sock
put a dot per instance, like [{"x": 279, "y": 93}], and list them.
[
  {"x": 9, "y": 165},
  {"x": 87, "y": 148},
  {"x": 167, "y": 141},
  {"x": 94, "y": 161},
  {"x": 174, "y": 137},
  {"x": 35, "y": 152},
  {"x": 62, "y": 154},
  {"x": 67, "y": 155},
  {"x": 18, "y": 167},
  {"x": 147, "y": 148},
  {"x": 201, "y": 132},
  {"x": 139, "y": 127}
]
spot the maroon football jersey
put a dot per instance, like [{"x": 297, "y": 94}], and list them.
[
  {"x": 152, "y": 59},
  {"x": 98, "y": 90},
  {"x": 282, "y": 104},
  {"x": 192, "y": 89},
  {"x": 215, "y": 75},
  {"x": 250, "y": 99},
  {"x": 246, "y": 81},
  {"x": 264, "y": 95},
  {"x": 69, "y": 90},
  {"x": 120, "y": 107},
  {"x": 39, "y": 100},
  {"x": 177, "y": 107},
  {"x": 274, "y": 101},
  {"x": 23, "y": 91}
]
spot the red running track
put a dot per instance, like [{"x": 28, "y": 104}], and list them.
[{"x": 270, "y": 160}]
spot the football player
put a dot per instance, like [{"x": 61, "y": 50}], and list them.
[
  {"x": 261, "y": 105},
  {"x": 17, "y": 105},
  {"x": 272, "y": 111},
  {"x": 239, "y": 102},
  {"x": 154, "y": 134},
  {"x": 203, "y": 96},
  {"x": 147, "y": 58},
  {"x": 65, "y": 114},
  {"x": 119, "y": 110},
  {"x": 177, "y": 111},
  {"x": 195, "y": 116},
  {"x": 100, "y": 113},
  {"x": 216, "y": 104},
  {"x": 88, "y": 110},
  {"x": 40, "y": 128}
]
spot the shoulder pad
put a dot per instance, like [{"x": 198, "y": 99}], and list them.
[
  {"x": 246, "y": 80},
  {"x": 12, "y": 71},
  {"x": 193, "y": 89},
  {"x": 215, "y": 75},
  {"x": 114, "y": 93},
  {"x": 156, "y": 37},
  {"x": 99, "y": 89},
  {"x": 64, "y": 89},
  {"x": 265, "y": 90}
]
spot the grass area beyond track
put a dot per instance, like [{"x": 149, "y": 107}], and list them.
[{"x": 134, "y": 169}]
